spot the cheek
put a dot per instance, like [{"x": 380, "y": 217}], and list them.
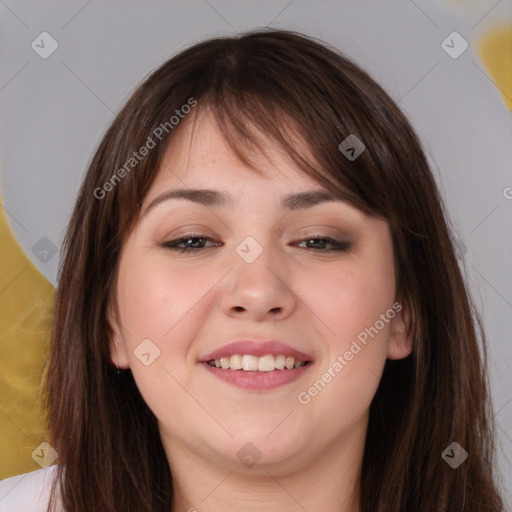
[
  {"x": 154, "y": 297},
  {"x": 160, "y": 303},
  {"x": 350, "y": 304},
  {"x": 348, "y": 301}
]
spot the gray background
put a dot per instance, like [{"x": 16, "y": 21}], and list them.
[{"x": 55, "y": 110}]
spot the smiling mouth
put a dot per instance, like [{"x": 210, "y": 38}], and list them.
[{"x": 250, "y": 363}]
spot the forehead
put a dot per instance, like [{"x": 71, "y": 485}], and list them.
[{"x": 199, "y": 153}]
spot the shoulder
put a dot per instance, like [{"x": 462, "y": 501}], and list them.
[{"x": 29, "y": 492}]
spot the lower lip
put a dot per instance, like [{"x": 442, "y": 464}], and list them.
[{"x": 257, "y": 380}]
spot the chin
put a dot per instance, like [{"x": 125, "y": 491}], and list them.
[{"x": 265, "y": 445}]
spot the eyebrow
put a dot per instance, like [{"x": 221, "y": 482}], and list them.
[{"x": 216, "y": 198}]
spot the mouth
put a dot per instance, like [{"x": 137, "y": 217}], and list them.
[{"x": 257, "y": 365}]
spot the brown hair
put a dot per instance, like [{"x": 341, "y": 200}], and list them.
[{"x": 286, "y": 86}]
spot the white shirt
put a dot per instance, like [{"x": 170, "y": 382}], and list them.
[{"x": 29, "y": 492}]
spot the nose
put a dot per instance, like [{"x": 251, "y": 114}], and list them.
[{"x": 259, "y": 290}]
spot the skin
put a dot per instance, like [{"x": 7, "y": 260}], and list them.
[{"x": 316, "y": 300}]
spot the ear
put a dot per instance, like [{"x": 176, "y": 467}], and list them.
[
  {"x": 117, "y": 345},
  {"x": 401, "y": 336}
]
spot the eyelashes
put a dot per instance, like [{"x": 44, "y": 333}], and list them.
[{"x": 174, "y": 245}]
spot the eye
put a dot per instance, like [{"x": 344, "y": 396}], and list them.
[
  {"x": 322, "y": 241},
  {"x": 188, "y": 240}
]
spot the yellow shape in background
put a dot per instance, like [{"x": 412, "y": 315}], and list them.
[
  {"x": 26, "y": 315},
  {"x": 495, "y": 50}
]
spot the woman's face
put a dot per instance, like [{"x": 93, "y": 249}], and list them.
[{"x": 253, "y": 272}]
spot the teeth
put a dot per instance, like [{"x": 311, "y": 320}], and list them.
[
  {"x": 266, "y": 363},
  {"x": 235, "y": 362},
  {"x": 250, "y": 363},
  {"x": 280, "y": 362}
]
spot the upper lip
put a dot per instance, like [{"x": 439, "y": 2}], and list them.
[{"x": 256, "y": 348}]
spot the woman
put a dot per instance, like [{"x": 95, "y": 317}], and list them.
[{"x": 259, "y": 305}]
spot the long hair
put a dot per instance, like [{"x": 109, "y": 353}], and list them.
[{"x": 288, "y": 87}]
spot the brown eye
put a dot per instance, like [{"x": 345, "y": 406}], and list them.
[
  {"x": 190, "y": 242},
  {"x": 319, "y": 243}
]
